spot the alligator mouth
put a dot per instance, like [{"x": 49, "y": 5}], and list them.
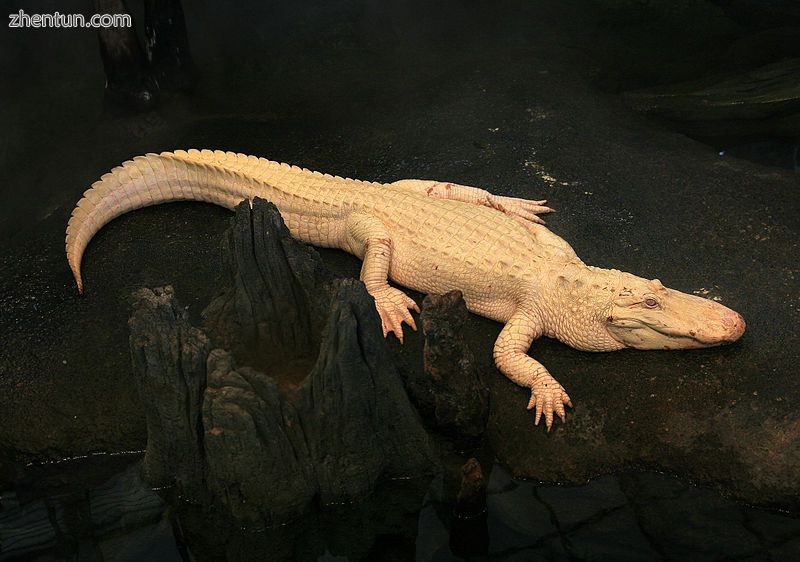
[
  {"x": 672, "y": 340},
  {"x": 633, "y": 333}
]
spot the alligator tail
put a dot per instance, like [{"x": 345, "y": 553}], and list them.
[{"x": 153, "y": 179}]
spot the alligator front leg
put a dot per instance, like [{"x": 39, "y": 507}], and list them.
[
  {"x": 523, "y": 208},
  {"x": 511, "y": 357},
  {"x": 368, "y": 238}
]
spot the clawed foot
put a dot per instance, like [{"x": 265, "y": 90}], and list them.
[
  {"x": 549, "y": 398},
  {"x": 522, "y": 208},
  {"x": 393, "y": 307}
]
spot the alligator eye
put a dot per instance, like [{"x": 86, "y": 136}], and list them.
[{"x": 650, "y": 302}]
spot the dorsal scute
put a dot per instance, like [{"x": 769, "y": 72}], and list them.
[
  {"x": 142, "y": 164},
  {"x": 133, "y": 169},
  {"x": 91, "y": 194},
  {"x": 80, "y": 211},
  {"x": 74, "y": 222},
  {"x": 118, "y": 174}
]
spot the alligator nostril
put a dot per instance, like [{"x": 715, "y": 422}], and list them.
[{"x": 734, "y": 323}]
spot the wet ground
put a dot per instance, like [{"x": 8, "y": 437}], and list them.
[
  {"x": 78, "y": 511},
  {"x": 522, "y": 101}
]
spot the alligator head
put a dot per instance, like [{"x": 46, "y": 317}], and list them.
[{"x": 646, "y": 315}]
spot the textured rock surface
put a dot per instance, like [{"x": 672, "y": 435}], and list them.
[
  {"x": 347, "y": 426},
  {"x": 226, "y": 432},
  {"x": 355, "y": 399},
  {"x": 169, "y": 365},
  {"x": 277, "y": 292},
  {"x": 449, "y": 390}
]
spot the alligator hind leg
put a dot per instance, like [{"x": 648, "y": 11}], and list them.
[
  {"x": 368, "y": 238},
  {"x": 523, "y": 208}
]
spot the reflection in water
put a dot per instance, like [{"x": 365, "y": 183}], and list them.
[
  {"x": 79, "y": 512},
  {"x": 119, "y": 519}
]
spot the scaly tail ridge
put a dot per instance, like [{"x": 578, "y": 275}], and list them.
[
  {"x": 222, "y": 178},
  {"x": 143, "y": 181}
]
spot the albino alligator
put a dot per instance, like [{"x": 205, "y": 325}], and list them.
[{"x": 432, "y": 237}]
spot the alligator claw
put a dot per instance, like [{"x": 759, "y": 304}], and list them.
[
  {"x": 393, "y": 307},
  {"x": 549, "y": 400},
  {"x": 516, "y": 207}
]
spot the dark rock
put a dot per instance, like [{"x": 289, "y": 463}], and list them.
[
  {"x": 257, "y": 462},
  {"x": 264, "y": 449},
  {"x": 450, "y": 392},
  {"x": 764, "y": 101},
  {"x": 169, "y": 365},
  {"x": 347, "y": 426},
  {"x": 354, "y": 398},
  {"x": 277, "y": 294}
]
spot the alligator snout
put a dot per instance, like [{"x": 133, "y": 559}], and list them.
[
  {"x": 734, "y": 325},
  {"x": 723, "y": 326}
]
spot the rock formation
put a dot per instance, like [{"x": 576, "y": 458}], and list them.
[
  {"x": 254, "y": 438},
  {"x": 449, "y": 391}
]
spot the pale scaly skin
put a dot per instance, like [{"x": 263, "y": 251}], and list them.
[{"x": 432, "y": 237}]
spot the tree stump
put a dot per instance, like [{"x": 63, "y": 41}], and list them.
[
  {"x": 227, "y": 433},
  {"x": 450, "y": 392},
  {"x": 169, "y": 365}
]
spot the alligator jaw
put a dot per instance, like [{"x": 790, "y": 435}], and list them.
[{"x": 647, "y": 315}]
